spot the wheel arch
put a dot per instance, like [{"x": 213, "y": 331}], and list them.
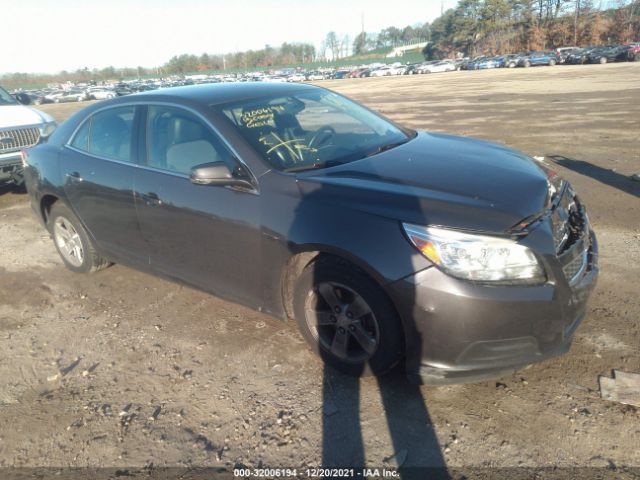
[
  {"x": 302, "y": 259},
  {"x": 46, "y": 203}
]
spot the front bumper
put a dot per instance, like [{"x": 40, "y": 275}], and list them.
[{"x": 458, "y": 331}]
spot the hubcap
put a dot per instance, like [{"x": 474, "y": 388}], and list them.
[
  {"x": 342, "y": 322},
  {"x": 68, "y": 241}
]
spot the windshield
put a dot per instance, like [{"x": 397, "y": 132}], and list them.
[
  {"x": 311, "y": 129},
  {"x": 5, "y": 98}
]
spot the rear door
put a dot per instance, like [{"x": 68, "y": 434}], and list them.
[
  {"x": 205, "y": 235},
  {"x": 98, "y": 168}
]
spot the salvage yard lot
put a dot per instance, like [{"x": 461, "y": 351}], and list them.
[{"x": 120, "y": 369}]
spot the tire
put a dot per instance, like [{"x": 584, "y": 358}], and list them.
[
  {"x": 552, "y": 62},
  {"x": 372, "y": 342},
  {"x": 81, "y": 256},
  {"x": 527, "y": 64},
  {"x": 603, "y": 60}
]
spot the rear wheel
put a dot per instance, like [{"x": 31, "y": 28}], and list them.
[
  {"x": 552, "y": 62},
  {"x": 527, "y": 64},
  {"x": 603, "y": 60},
  {"x": 347, "y": 319},
  {"x": 72, "y": 241}
]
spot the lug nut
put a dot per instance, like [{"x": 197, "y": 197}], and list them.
[
  {"x": 333, "y": 319},
  {"x": 352, "y": 328},
  {"x": 336, "y": 309},
  {"x": 349, "y": 315},
  {"x": 342, "y": 330}
]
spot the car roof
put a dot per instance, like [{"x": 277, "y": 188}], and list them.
[{"x": 225, "y": 92}]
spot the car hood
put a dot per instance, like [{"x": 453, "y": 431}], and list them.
[
  {"x": 438, "y": 179},
  {"x": 20, "y": 116}
]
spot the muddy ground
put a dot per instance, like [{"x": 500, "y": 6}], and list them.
[{"x": 121, "y": 369}]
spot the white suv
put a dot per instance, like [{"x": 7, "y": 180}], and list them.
[{"x": 20, "y": 127}]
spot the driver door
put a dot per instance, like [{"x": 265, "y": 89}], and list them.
[{"x": 205, "y": 235}]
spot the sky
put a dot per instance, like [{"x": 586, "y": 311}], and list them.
[{"x": 47, "y": 36}]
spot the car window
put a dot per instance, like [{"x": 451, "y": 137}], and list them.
[
  {"x": 178, "y": 140},
  {"x": 81, "y": 139},
  {"x": 111, "y": 132}
]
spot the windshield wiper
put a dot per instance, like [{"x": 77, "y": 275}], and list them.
[
  {"x": 384, "y": 148},
  {"x": 313, "y": 166}
]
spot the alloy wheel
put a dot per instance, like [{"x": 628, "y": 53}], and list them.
[
  {"x": 342, "y": 322},
  {"x": 68, "y": 241}
]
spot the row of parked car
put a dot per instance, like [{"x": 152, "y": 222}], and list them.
[{"x": 566, "y": 55}]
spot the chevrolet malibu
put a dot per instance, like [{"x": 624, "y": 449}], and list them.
[{"x": 458, "y": 258}]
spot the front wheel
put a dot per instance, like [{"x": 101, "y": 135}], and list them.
[
  {"x": 603, "y": 60},
  {"x": 527, "y": 64},
  {"x": 72, "y": 241},
  {"x": 347, "y": 319},
  {"x": 552, "y": 62}
]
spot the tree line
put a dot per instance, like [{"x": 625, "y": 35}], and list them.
[{"x": 476, "y": 27}]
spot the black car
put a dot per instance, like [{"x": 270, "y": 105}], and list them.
[
  {"x": 578, "y": 56},
  {"x": 617, "y": 53},
  {"x": 463, "y": 258}
]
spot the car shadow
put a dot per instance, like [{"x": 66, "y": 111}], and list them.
[
  {"x": 416, "y": 453},
  {"x": 602, "y": 175}
]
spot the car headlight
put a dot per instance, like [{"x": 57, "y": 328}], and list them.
[
  {"x": 47, "y": 129},
  {"x": 480, "y": 258}
]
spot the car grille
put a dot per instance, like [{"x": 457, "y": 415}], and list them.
[{"x": 14, "y": 140}]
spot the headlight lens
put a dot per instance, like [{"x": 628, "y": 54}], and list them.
[
  {"x": 47, "y": 129},
  {"x": 476, "y": 257}
]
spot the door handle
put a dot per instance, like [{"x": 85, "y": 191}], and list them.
[
  {"x": 151, "y": 198},
  {"x": 74, "y": 176}
]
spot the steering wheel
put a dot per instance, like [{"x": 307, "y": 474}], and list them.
[{"x": 321, "y": 135}]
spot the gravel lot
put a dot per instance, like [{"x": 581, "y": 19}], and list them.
[{"x": 121, "y": 369}]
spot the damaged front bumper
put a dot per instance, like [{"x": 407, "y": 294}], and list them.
[{"x": 459, "y": 331}]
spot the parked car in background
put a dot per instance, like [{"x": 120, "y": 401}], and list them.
[
  {"x": 578, "y": 56},
  {"x": 633, "y": 52},
  {"x": 486, "y": 63},
  {"x": 20, "y": 127},
  {"x": 538, "y": 58},
  {"x": 564, "y": 52},
  {"x": 439, "y": 67},
  {"x": 72, "y": 95},
  {"x": 100, "y": 93},
  {"x": 488, "y": 260},
  {"x": 381, "y": 72},
  {"x": 411, "y": 69},
  {"x": 340, "y": 74},
  {"x": 616, "y": 53},
  {"x": 507, "y": 61},
  {"x": 314, "y": 76}
]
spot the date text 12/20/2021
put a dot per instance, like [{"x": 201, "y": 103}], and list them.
[{"x": 316, "y": 473}]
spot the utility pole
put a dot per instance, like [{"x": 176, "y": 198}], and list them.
[{"x": 575, "y": 23}]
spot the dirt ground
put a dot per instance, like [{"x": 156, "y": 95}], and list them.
[{"x": 121, "y": 369}]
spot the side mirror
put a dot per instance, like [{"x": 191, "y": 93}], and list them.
[{"x": 217, "y": 173}]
